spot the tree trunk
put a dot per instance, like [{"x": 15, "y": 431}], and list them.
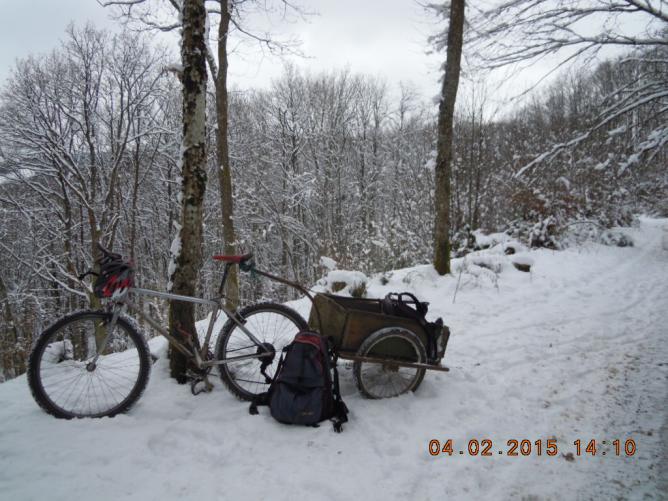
[
  {"x": 446, "y": 112},
  {"x": 10, "y": 359},
  {"x": 223, "y": 157},
  {"x": 94, "y": 302},
  {"x": 187, "y": 248}
]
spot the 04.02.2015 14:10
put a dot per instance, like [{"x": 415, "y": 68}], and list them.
[{"x": 525, "y": 447}]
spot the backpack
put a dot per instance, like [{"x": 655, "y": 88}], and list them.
[
  {"x": 437, "y": 334},
  {"x": 394, "y": 304},
  {"x": 305, "y": 388}
]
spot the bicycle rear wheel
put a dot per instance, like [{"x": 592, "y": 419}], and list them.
[
  {"x": 68, "y": 382},
  {"x": 270, "y": 323}
]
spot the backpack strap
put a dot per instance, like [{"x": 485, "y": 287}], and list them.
[
  {"x": 263, "y": 370},
  {"x": 340, "y": 409},
  {"x": 263, "y": 398}
]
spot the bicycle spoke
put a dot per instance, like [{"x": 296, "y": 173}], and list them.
[
  {"x": 243, "y": 348},
  {"x": 275, "y": 325}
]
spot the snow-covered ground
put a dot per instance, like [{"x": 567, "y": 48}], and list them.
[{"x": 575, "y": 350}]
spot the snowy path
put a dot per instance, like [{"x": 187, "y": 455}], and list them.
[{"x": 577, "y": 351}]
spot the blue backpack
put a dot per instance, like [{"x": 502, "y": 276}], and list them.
[{"x": 305, "y": 388}]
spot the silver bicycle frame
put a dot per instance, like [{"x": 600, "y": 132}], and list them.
[{"x": 216, "y": 304}]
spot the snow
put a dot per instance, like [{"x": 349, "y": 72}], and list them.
[
  {"x": 523, "y": 259},
  {"x": 564, "y": 182},
  {"x": 619, "y": 130},
  {"x": 174, "y": 253},
  {"x": 341, "y": 281},
  {"x": 175, "y": 67},
  {"x": 345, "y": 276},
  {"x": 430, "y": 164},
  {"x": 328, "y": 263},
  {"x": 574, "y": 350},
  {"x": 493, "y": 262},
  {"x": 602, "y": 165},
  {"x": 483, "y": 241}
]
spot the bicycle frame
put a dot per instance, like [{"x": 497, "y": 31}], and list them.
[
  {"x": 123, "y": 301},
  {"x": 199, "y": 357}
]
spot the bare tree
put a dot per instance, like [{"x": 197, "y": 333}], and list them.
[
  {"x": 73, "y": 123},
  {"x": 67, "y": 124},
  {"x": 223, "y": 152},
  {"x": 187, "y": 246},
  {"x": 446, "y": 111},
  {"x": 519, "y": 33},
  {"x": 163, "y": 15},
  {"x": 524, "y": 31}
]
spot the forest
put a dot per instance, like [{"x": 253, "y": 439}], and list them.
[{"x": 337, "y": 165}]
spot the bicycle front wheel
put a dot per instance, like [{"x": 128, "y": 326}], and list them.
[
  {"x": 74, "y": 371},
  {"x": 270, "y": 323}
]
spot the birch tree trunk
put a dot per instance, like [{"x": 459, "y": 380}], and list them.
[
  {"x": 187, "y": 246},
  {"x": 446, "y": 112},
  {"x": 223, "y": 156}
]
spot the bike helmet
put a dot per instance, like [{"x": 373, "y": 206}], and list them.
[{"x": 115, "y": 276}]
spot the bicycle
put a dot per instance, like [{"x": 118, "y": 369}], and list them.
[{"x": 97, "y": 363}]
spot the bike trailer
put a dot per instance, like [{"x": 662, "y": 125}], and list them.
[{"x": 350, "y": 321}]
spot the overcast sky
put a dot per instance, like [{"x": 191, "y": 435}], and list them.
[
  {"x": 380, "y": 37},
  {"x": 34, "y": 26},
  {"x": 387, "y": 38}
]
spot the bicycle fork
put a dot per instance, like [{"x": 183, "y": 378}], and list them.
[{"x": 109, "y": 328}]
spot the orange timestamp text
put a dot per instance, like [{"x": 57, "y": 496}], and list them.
[{"x": 526, "y": 447}]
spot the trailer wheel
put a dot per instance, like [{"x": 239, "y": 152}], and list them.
[{"x": 388, "y": 379}]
